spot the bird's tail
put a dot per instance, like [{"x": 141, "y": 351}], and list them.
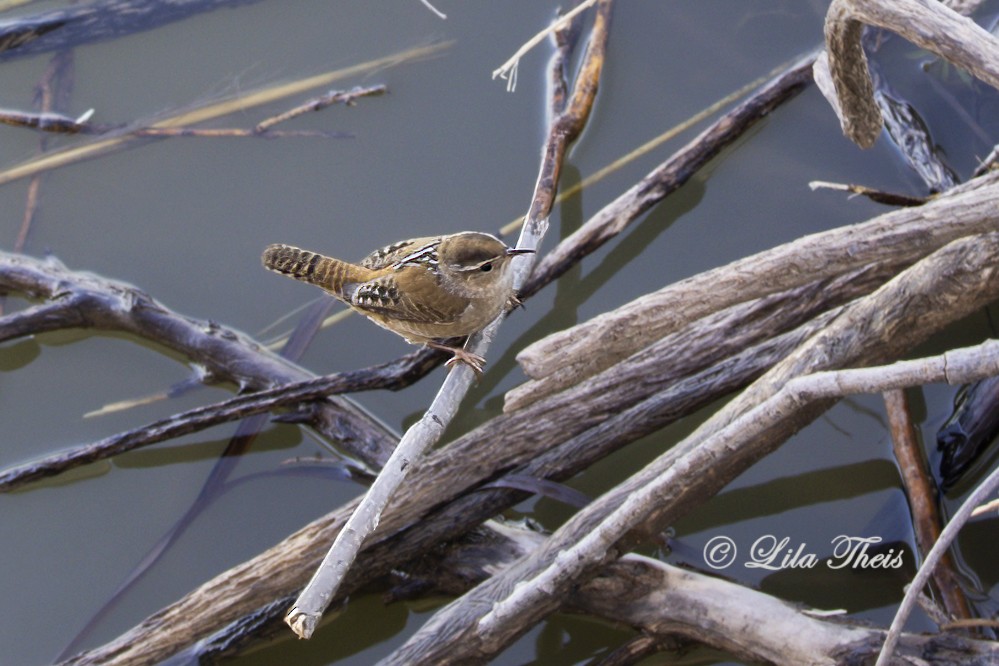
[{"x": 325, "y": 272}]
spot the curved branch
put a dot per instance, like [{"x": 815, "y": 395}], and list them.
[{"x": 926, "y": 23}]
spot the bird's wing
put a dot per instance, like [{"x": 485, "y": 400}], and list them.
[
  {"x": 420, "y": 302},
  {"x": 391, "y": 254}
]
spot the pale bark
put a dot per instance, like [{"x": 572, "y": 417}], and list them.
[{"x": 571, "y": 355}]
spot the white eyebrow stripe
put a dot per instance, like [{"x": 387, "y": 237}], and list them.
[{"x": 424, "y": 255}]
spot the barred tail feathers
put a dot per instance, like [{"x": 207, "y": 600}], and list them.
[{"x": 325, "y": 272}]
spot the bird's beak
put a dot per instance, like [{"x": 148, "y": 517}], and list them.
[{"x": 518, "y": 250}]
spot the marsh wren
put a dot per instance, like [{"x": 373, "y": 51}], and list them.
[{"x": 425, "y": 289}]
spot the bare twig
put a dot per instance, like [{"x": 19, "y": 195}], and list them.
[
  {"x": 985, "y": 508},
  {"x": 346, "y": 97},
  {"x": 508, "y": 70},
  {"x": 877, "y": 196}
]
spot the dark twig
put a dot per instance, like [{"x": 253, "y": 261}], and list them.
[
  {"x": 345, "y": 97},
  {"x": 877, "y": 196},
  {"x": 668, "y": 177},
  {"x": 392, "y": 375},
  {"x": 56, "y": 123}
]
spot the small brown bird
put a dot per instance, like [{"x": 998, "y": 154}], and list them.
[{"x": 425, "y": 289}]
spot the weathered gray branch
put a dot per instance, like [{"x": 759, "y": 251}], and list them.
[
  {"x": 666, "y": 602},
  {"x": 900, "y": 236}
]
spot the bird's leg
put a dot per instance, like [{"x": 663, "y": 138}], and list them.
[{"x": 460, "y": 355}]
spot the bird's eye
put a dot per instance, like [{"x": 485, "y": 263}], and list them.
[{"x": 486, "y": 267}]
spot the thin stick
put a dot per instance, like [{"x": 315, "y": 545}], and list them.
[
  {"x": 346, "y": 97},
  {"x": 508, "y": 70}
]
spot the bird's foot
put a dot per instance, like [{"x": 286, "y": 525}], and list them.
[{"x": 460, "y": 355}]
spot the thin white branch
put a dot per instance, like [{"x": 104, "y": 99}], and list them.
[
  {"x": 508, "y": 70},
  {"x": 439, "y": 13},
  {"x": 308, "y": 609}
]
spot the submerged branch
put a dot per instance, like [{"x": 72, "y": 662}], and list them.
[
  {"x": 59, "y": 124},
  {"x": 102, "y": 146}
]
